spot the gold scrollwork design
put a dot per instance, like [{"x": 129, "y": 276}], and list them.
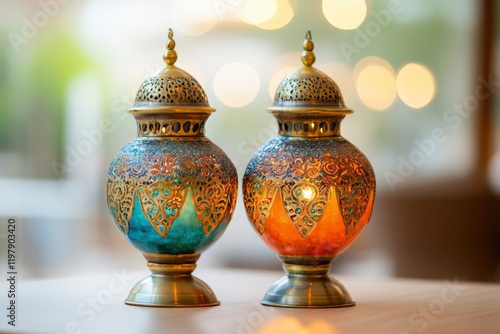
[
  {"x": 162, "y": 173},
  {"x": 314, "y": 169},
  {"x": 304, "y": 205},
  {"x": 120, "y": 196},
  {"x": 162, "y": 203},
  {"x": 259, "y": 198},
  {"x": 210, "y": 205}
]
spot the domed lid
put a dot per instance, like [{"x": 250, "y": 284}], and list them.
[
  {"x": 170, "y": 89},
  {"x": 308, "y": 89}
]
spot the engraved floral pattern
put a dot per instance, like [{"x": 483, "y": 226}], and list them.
[
  {"x": 304, "y": 205},
  {"x": 161, "y": 173},
  {"x": 120, "y": 202},
  {"x": 259, "y": 198},
  {"x": 162, "y": 202},
  {"x": 308, "y": 172}
]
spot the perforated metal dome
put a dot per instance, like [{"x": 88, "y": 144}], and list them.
[
  {"x": 170, "y": 89},
  {"x": 171, "y": 86},
  {"x": 308, "y": 88}
]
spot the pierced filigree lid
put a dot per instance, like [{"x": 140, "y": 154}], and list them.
[
  {"x": 308, "y": 88},
  {"x": 170, "y": 89}
]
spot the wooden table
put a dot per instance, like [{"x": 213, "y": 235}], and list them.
[{"x": 94, "y": 304}]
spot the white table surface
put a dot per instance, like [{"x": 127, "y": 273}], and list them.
[{"x": 94, "y": 304}]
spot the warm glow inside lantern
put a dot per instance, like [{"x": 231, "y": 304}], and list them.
[{"x": 309, "y": 192}]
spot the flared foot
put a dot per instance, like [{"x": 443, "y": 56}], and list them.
[
  {"x": 307, "y": 285},
  {"x": 171, "y": 284}
]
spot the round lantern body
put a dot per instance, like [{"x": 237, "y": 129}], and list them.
[
  {"x": 309, "y": 192},
  {"x": 171, "y": 196},
  {"x": 309, "y": 197}
]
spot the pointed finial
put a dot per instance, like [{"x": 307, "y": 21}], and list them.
[
  {"x": 170, "y": 56},
  {"x": 308, "y": 57}
]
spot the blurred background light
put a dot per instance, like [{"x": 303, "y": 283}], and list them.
[
  {"x": 194, "y": 17},
  {"x": 345, "y": 14},
  {"x": 416, "y": 85},
  {"x": 193, "y": 68},
  {"x": 375, "y": 82},
  {"x": 257, "y": 11},
  {"x": 282, "y": 16},
  {"x": 343, "y": 76},
  {"x": 292, "y": 325},
  {"x": 278, "y": 77},
  {"x": 282, "y": 65},
  {"x": 99, "y": 52},
  {"x": 236, "y": 84}
]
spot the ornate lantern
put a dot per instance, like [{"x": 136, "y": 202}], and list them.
[
  {"x": 309, "y": 192},
  {"x": 171, "y": 192}
]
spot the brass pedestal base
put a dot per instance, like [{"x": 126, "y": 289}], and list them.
[
  {"x": 171, "y": 284},
  {"x": 307, "y": 285}
]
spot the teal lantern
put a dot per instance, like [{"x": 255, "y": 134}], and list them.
[{"x": 171, "y": 192}]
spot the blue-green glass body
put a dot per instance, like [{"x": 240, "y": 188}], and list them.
[{"x": 171, "y": 195}]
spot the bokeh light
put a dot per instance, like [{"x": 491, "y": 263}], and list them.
[
  {"x": 416, "y": 85},
  {"x": 194, "y": 69},
  {"x": 194, "y": 17},
  {"x": 342, "y": 74},
  {"x": 282, "y": 16},
  {"x": 292, "y": 325},
  {"x": 280, "y": 67},
  {"x": 236, "y": 84},
  {"x": 375, "y": 82},
  {"x": 257, "y": 11},
  {"x": 278, "y": 77},
  {"x": 344, "y": 14}
]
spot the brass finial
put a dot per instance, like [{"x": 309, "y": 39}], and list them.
[
  {"x": 308, "y": 57},
  {"x": 170, "y": 56}
]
